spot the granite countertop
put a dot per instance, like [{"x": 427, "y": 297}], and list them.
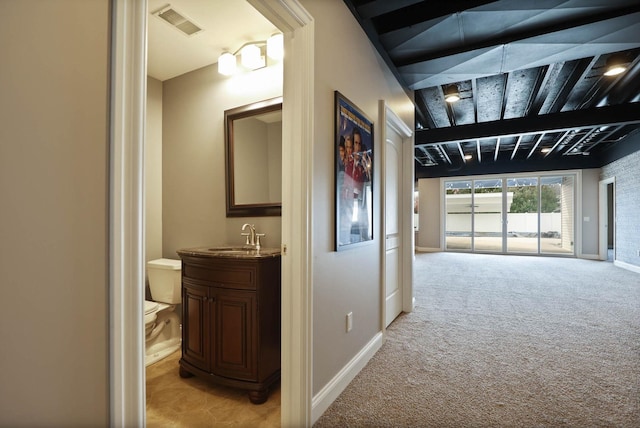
[{"x": 235, "y": 252}]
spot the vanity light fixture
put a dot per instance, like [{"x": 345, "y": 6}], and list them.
[
  {"x": 252, "y": 55},
  {"x": 451, "y": 94}
]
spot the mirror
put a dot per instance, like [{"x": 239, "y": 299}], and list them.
[{"x": 253, "y": 137}]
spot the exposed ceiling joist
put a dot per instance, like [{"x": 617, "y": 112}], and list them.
[
  {"x": 530, "y": 74},
  {"x": 556, "y": 122}
]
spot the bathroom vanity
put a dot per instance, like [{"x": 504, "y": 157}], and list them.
[{"x": 231, "y": 317}]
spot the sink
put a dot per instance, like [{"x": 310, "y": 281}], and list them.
[{"x": 231, "y": 250}]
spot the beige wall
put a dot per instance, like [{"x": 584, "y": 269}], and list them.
[
  {"x": 590, "y": 232},
  {"x": 53, "y": 222},
  {"x": 153, "y": 171},
  {"x": 428, "y": 237},
  {"x": 193, "y": 165},
  {"x": 350, "y": 280}
]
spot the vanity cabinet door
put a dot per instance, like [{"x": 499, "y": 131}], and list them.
[
  {"x": 197, "y": 316},
  {"x": 235, "y": 336}
]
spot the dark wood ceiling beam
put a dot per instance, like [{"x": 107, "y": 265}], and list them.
[
  {"x": 557, "y": 122},
  {"x": 509, "y": 167}
]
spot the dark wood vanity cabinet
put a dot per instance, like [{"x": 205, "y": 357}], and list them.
[{"x": 231, "y": 321}]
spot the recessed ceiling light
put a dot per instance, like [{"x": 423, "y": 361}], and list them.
[
  {"x": 467, "y": 157},
  {"x": 451, "y": 94},
  {"x": 545, "y": 150},
  {"x": 615, "y": 65}
]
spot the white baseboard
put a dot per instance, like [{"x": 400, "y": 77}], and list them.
[
  {"x": 627, "y": 266},
  {"x": 327, "y": 395},
  {"x": 589, "y": 256},
  {"x": 428, "y": 250}
]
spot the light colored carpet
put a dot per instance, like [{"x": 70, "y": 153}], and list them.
[{"x": 505, "y": 341}]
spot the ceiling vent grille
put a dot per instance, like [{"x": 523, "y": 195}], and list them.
[{"x": 178, "y": 20}]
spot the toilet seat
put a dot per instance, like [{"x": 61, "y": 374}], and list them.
[
  {"x": 150, "y": 309},
  {"x": 150, "y": 306}
]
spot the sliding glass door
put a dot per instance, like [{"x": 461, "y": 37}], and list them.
[
  {"x": 556, "y": 214},
  {"x": 459, "y": 209},
  {"x": 487, "y": 215},
  {"x": 523, "y": 215}
]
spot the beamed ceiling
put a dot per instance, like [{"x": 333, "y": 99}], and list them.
[{"x": 533, "y": 96}]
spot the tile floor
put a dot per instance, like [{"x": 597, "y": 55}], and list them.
[{"x": 176, "y": 402}]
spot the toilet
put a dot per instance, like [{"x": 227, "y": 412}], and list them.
[{"x": 161, "y": 321}]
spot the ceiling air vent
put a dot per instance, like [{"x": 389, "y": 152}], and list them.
[{"x": 177, "y": 20}]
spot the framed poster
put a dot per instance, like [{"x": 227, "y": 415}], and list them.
[{"x": 353, "y": 175}]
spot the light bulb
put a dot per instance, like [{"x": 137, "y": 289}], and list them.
[
  {"x": 615, "y": 70},
  {"x": 226, "y": 64},
  {"x": 275, "y": 46},
  {"x": 251, "y": 58}
]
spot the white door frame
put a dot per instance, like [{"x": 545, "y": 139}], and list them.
[
  {"x": 126, "y": 231},
  {"x": 126, "y": 213},
  {"x": 603, "y": 216},
  {"x": 389, "y": 118}
]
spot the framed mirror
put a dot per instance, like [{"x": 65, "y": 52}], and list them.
[{"x": 253, "y": 149}]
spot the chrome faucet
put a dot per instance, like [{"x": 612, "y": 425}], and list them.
[
  {"x": 253, "y": 238},
  {"x": 251, "y": 235}
]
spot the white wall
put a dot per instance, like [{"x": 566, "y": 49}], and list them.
[
  {"x": 193, "y": 157},
  {"x": 53, "y": 223},
  {"x": 350, "y": 280}
]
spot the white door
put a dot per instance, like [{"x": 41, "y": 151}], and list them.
[{"x": 393, "y": 225}]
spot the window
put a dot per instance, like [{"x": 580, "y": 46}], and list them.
[{"x": 523, "y": 214}]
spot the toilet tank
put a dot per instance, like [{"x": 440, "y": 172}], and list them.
[{"x": 165, "y": 280}]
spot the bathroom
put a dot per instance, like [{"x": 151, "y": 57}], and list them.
[{"x": 185, "y": 178}]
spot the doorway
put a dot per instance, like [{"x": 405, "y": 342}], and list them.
[
  {"x": 397, "y": 224},
  {"x": 607, "y": 225},
  {"x": 126, "y": 377}
]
